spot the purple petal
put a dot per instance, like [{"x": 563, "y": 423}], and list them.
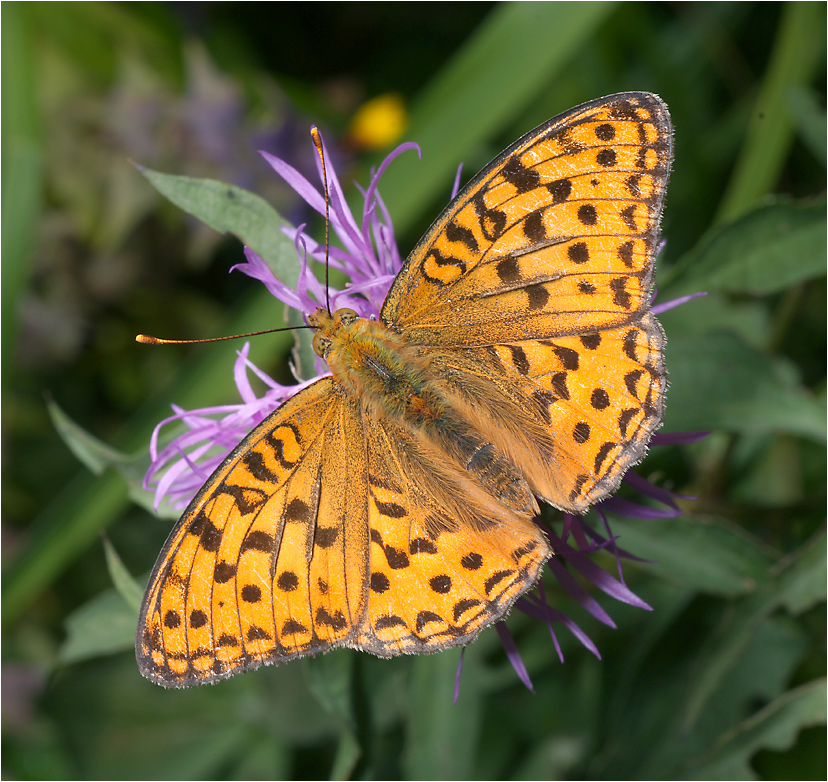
[
  {"x": 542, "y": 593},
  {"x": 371, "y": 193},
  {"x": 457, "y": 675},
  {"x": 536, "y": 612},
  {"x": 668, "y": 305},
  {"x": 603, "y": 580},
  {"x": 568, "y": 582},
  {"x": 296, "y": 181},
  {"x": 632, "y": 510},
  {"x": 651, "y": 490},
  {"x": 455, "y": 188},
  {"x": 512, "y": 653}
]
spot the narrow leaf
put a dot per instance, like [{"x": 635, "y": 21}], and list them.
[
  {"x": 720, "y": 382},
  {"x": 97, "y": 456},
  {"x": 708, "y": 555},
  {"x": 232, "y": 210},
  {"x": 128, "y": 588},
  {"x": 765, "y": 251},
  {"x": 104, "y": 625},
  {"x": 774, "y": 727}
]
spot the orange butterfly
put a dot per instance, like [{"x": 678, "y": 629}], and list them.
[{"x": 389, "y": 507}]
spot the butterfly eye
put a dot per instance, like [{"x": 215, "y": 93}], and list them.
[
  {"x": 321, "y": 345},
  {"x": 347, "y": 316}
]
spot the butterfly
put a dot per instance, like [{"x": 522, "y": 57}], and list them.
[{"x": 389, "y": 507}]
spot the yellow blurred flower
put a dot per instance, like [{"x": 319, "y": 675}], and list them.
[{"x": 379, "y": 122}]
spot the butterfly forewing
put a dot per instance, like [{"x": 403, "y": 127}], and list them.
[
  {"x": 544, "y": 265},
  {"x": 556, "y": 236}
]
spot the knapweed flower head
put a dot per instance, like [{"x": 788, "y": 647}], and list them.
[
  {"x": 368, "y": 256},
  {"x": 366, "y": 252}
]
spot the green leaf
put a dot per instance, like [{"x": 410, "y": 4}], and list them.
[
  {"x": 797, "y": 52},
  {"x": 718, "y": 382},
  {"x": 811, "y": 121},
  {"x": 232, "y": 210},
  {"x": 443, "y": 738},
  {"x": 96, "y": 455},
  {"x": 23, "y": 173},
  {"x": 330, "y": 679},
  {"x": 795, "y": 585},
  {"x": 774, "y": 727},
  {"x": 766, "y": 251},
  {"x": 802, "y": 583},
  {"x": 128, "y": 588},
  {"x": 748, "y": 319},
  {"x": 708, "y": 555},
  {"x": 495, "y": 68},
  {"x": 104, "y": 625}
]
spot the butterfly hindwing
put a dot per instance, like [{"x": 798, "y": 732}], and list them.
[
  {"x": 439, "y": 573},
  {"x": 597, "y": 398},
  {"x": 268, "y": 561},
  {"x": 556, "y": 236},
  {"x": 601, "y": 397}
]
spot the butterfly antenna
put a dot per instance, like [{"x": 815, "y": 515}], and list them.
[
  {"x": 317, "y": 142},
  {"x": 145, "y": 339}
]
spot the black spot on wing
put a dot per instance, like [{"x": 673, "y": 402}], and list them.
[
  {"x": 255, "y": 464},
  {"x": 588, "y": 214},
  {"x": 459, "y": 233},
  {"x": 493, "y": 580},
  {"x": 427, "y": 617},
  {"x": 325, "y": 537},
  {"x": 620, "y": 295},
  {"x": 602, "y": 454},
  {"x": 462, "y": 606},
  {"x": 625, "y": 253},
  {"x": 534, "y": 228},
  {"x": 568, "y": 357},
  {"x": 223, "y": 572},
  {"x": 560, "y": 190},
  {"x": 388, "y": 621},
  {"x": 258, "y": 541},
  {"x": 605, "y": 132},
  {"x": 508, "y": 270},
  {"x": 522, "y": 178},
  {"x": 335, "y": 620},
  {"x": 537, "y": 296},
  {"x": 379, "y": 583},
  {"x": 578, "y": 252}
]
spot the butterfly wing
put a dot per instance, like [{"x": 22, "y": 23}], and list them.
[
  {"x": 583, "y": 407},
  {"x": 444, "y": 563},
  {"x": 555, "y": 237},
  {"x": 538, "y": 277},
  {"x": 531, "y": 291},
  {"x": 268, "y": 562}
]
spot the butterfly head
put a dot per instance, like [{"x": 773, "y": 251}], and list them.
[{"x": 327, "y": 326}]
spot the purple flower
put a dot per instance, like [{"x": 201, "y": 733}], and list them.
[{"x": 368, "y": 255}]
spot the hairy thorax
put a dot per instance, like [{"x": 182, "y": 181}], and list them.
[{"x": 397, "y": 382}]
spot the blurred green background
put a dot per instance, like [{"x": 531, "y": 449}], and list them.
[{"x": 724, "y": 679}]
